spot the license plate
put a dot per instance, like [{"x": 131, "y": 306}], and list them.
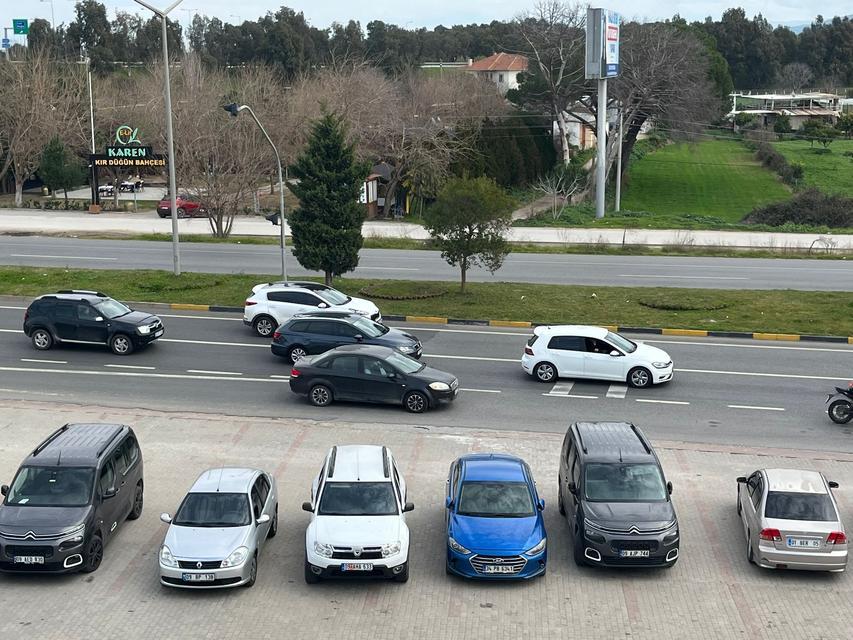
[
  {"x": 800, "y": 543},
  {"x": 29, "y": 559},
  {"x": 498, "y": 568},
  {"x": 357, "y": 566},
  {"x": 634, "y": 553},
  {"x": 157, "y": 334},
  {"x": 198, "y": 577}
]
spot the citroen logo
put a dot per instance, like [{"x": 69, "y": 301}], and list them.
[
  {"x": 356, "y": 551},
  {"x": 198, "y": 565},
  {"x": 30, "y": 535},
  {"x": 634, "y": 531}
]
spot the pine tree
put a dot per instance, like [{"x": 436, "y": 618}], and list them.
[{"x": 327, "y": 225}]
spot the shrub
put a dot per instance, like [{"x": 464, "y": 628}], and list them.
[
  {"x": 811, "y": 207},
  {"x": 768, "y": 156}
]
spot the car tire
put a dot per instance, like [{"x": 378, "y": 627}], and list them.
[
  {"x": 93, "y": 555},
  {"x": 264, "y": 326},
  {"x": 253, "y": 572},
  {"x": 310, "y": 576},
  {"x": 640, "y": 378},
  {"x": 182, "y": 213},
  {"x": 296, "y": 352},
  {"x": 320, "y": 395},
  {"x": 274, "y": 525},
  {"x": 577, "y": 550},
  {"x": 840, "y": 411},
  {"x": 138, "y": 501},
  {"x": 415, "y": 402},
  {"x": 42, "y": 340},
  {"x": 121, "y": 344},
  {"x": 163, "y": 215},
  {"x": 403, "y": 576},
  {"x": 560, "y": 504},
  {"x": 545, "y": 372}
]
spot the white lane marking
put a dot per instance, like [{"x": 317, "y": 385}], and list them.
[
  {"x": 792, "y": 376},
  {"x": 746, "y": 406},
  {"x": 133, "y": 374},
  {"x": 435, "y": 355},
  {"x": 634, "y": 275},
  {"x": 561, "y": 389},
  {"x": 561, "y": 395},
  {"x": 129, "y": 366},
  {"x": 40, "y": 393},
  {"x": 31, "y": 255},
  {"x": 748, "y": 346},
  {"x": 661, "y": 401},
  {"x": 44, "y": 361},
  {"x": 387, "y": 268},
  {"x": 215, "y": 373},
  {"x": 8, "y": 307},
  {"x": 480, "y": 390},
  {"x": 217, "y": 344},
  {"x": 169, "y": 315},
  {"x": 281, "y": 377},
  {"x": 617, "y": 391}
]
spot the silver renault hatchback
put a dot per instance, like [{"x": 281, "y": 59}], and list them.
[
  {"x": 791, "y": 520},
  {"x": 216, "y": 535}
]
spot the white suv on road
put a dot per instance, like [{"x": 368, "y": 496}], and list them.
[
  {"x": 271, "y": 303},
  {"x": 358, "y": 522},
  {"x": 575, "y": 351}
]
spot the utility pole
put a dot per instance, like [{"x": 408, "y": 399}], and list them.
[
  {"x": 601, "y": 148},
  {"x": 619, "y": 164}
]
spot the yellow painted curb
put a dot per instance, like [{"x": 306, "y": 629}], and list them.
[
  {"x": 850, "y": 340},
  {"x": 433, "y": 319},
  {"x": 791, "y": 337},
  {"x": 190, "y": 307},
  {"x": 509, "y": 323},
  {"x": 684, "y": 332},
  {"x": 611, "y": 327}
]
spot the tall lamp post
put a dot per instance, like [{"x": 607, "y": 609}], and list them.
[
  {"x": 176, "y": 254},
  {"x": 234, "y": 109},
  {"x": 52, "y": 14}
]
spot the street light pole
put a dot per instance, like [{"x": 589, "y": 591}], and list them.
[
  {"x": 52, "y": 15},
  {"x": 234, "y": 109},
  {"x": 176, "y": 254}
]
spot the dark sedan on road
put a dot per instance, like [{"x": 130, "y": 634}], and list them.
[
  {"x": 317, "y": 332},
  {"x": 366, "y": 373}
]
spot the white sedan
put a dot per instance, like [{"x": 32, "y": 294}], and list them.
[{"x": 576, "y": 351}]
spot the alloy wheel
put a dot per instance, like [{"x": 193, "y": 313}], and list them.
[
  {"x": 296, "y": 353},
  {"x": 415, "y": 402},
  {"x": 840, "y": 412},
  {"x": 94, "y": 554},
  {"x": 121, "y": 344},
  {"x": 545, "y": 372},
  {"x": 640, "y": 378},
  {"x": 41, "y": 339},
  {"x": 320, "y": 396},
  {"x": 264, "y": 327}
]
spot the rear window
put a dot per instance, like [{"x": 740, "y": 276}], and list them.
[
  {"x": 301, "y": 326},
  {"x": 799, "y": 506},
  {"x": 532, "y": 340}
]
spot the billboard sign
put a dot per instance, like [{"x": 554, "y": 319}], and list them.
[
  {"x": 20, "y": 26},
  {"x": 602, "y": 43}
]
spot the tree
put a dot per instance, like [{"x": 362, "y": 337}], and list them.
[
  {"x": 468, "y": 222},
  {"x": 845, "y": 124},
  {"x": 817, "y": 131},
  {"x": 794, "y": 76},
  {"x": 782, "y": 124},
  {"x": 561, "y": 184},
  {"x": 327, "y": 225},
  {"x": 58, "y": 169}
]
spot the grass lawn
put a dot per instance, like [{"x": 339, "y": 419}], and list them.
[
  {"x": 830, "y": 172},
  {"x": 829, "y": 313}
]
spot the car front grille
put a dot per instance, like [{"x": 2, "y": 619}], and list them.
[
  {"x": 634, "y": 545},
  {"x": 454, "y": 385},
  {"x": 220, "y": 582},
  {"x": 633, "y": 530},
  {"x": 196, "y": 564},
  {"x": 30, "y": 535},
  {"x": 364, "y": 553},
  {"x": 480, "y": 563},
  {"x": 12, "y": 550}
]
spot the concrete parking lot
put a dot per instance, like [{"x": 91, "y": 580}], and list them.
[{"x": 711, "y": 593}]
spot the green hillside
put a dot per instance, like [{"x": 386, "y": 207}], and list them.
[{"x": 830, "y": 172}]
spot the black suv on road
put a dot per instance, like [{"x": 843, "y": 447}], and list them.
[
  {"x": 69, "y": 498},
  {"x": 615, "y": 496},
  {"x": 89, "y": 317},
  {"x": 316, "y": 332}
]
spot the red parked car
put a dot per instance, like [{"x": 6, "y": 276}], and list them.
[{"x": 188, "y": 207}]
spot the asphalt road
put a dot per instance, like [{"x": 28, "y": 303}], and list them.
[
  {"x": 724, "y": 392},
  {"x": 635, "y": 271}
]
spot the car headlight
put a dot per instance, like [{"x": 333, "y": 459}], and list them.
[
  {"x": 237, "y": 558},
  {"x": 144, "y": 330},
  {"x": 324, "y": 550},
  {"x": 439, "y": 386},
  {"x": 539, "y": 548},
  {"x": 458, "y": 548},
  {"x": 166, "y": 557},
  {"x": 661, "y": 365},
  {"x": 407, "y": 348},
  {"x": 390, "y": 549}
]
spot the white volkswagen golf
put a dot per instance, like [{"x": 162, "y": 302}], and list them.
[
  {"x": 576, "y": 351},
  {"x": 358, "y": 517}
]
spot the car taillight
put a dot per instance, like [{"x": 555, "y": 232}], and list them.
[
  {"x": 528, "y": 351},
  {"x": 771, "y": 535},
  {"x": 295, "y": 373},
  {"x": 249, "y": 303},
  {"x": 276, "y": 335},
  {"x": 836, "y": 537}
]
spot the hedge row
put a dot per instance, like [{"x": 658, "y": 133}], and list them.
[{"x": 810, "y": 207}]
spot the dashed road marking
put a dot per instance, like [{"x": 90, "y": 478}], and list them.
[
  {"x": 754, "y": 408},
  {"x": 617, "y": 391},
  {"x": 215, "y": 373},
  {"x": 44, "y": 361},
  {"x": 662, "y": 401},
  {"x": 129, "y": 366}
]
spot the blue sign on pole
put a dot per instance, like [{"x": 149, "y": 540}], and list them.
[{"x": 5, "y": 43}]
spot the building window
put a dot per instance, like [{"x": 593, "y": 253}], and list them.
[{"x": 501, "y": 78}]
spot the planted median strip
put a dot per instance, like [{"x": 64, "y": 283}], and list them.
[{"x": 769, "y": 312}]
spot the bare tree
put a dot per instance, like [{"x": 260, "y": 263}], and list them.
[
  {"x": 794, "y": 77},
  {"x": 561, "y": 184}
]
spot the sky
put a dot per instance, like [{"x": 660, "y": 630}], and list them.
[{"x": 427, "y": 13}]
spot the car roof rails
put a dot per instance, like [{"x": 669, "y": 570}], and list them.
[
  {"x": 385, "y": 470},
  {"x": 332, "y": 457},
  {"x": 641, "y": 438},
  {"x": 50, "y": 439},
  {"x": 109, "y": 441},
  {"x": 84, "y": 292},
  {"x": 580, "y": 440}
]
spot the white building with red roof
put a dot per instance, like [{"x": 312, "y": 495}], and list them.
[{"x": 500, "y": 68}]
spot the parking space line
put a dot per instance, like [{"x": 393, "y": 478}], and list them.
[
  {"x": 754, "y": 408},
  {"x": 215, "y": 373},
  {"x": 561, "y": 389},
  {"x": 44, "y": 361},
  {"x": 480, "y": 390},
  {"x": 281, "y": 377},
  {"x": 617, "y": 390},
  {"x": 661, "y": 401},
  {"x": 129, "y": 366},
  {"x": 560, "y": 395}
]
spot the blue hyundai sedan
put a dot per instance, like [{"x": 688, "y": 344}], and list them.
[{"x": 495, "y": 528}]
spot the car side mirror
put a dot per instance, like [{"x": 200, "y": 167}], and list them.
[
  {"x": 359, "y": 337},
  {"x": 263, "y": 519},
  {"x": 541, "y": 504},
  {"x": 99, "y": 319},
  {"x": 409, "y": 506},
  {"x": 741, "y": 479},
  {"x": 307, "y": 506},
  {"x": 615, "y": 354},
  {"x": 448, "y": 503},
  {"x": 165, "y": 517},
  {"x": 4, "y": 490},
  {"x": 669, "y": 488},
  {"x": 573, "y": 488},
  {"x": 323, "y": 305},
  {"x": 832, "y": 485},
  {"x": 110, "y": 493}
]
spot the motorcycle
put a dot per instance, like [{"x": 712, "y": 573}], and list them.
[{"x": 840, "y": 407}]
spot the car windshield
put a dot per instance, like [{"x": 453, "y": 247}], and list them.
[
  {"x": 799, "y": 506},
  {"x": 333, "y": 296},
  {"x": 405, "y": 363},
  {"x": 622, "y": 342},
  {"x": 358, "y": 499},
  {"x": 622, "y": 482},
  {"x": 370, "y": 328},
  {"x": 214, "y": 510},
  {"x": 52, "y": 487},
  {"x": 110, "y": 308},
  {"x": 495, "y": 500}
]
